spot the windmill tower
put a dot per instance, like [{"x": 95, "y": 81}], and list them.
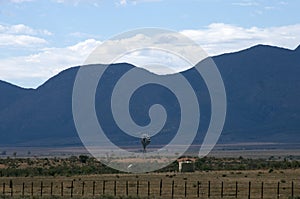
[{"x": 145, "y": 141}]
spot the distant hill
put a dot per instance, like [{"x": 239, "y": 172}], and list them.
[
  {"x": 10, "y": 94},
  {"x": 263, "y": 95},
  {"x": 262, "y": 85}
]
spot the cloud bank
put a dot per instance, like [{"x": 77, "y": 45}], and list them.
[
  {"x": 21, "y": 35},
  {"x": 217, "y": 38}
]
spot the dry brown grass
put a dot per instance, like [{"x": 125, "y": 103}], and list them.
[{"x": 229, "y": 179}]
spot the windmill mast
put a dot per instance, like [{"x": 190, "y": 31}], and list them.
[{"x": 145, "y": 141}]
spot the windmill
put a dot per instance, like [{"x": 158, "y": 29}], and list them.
[{"x": 145, "y": 141}]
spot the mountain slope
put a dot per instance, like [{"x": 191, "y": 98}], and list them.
[
  {"x": 262, "y": 85},
  {"x": 44, "y": 117},
  {"x": 10, "y": 93}
]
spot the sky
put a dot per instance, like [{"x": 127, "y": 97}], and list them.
[{"x": 40, "y": 38}]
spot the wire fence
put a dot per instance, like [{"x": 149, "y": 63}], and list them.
[{"x": 158, "y": 188}]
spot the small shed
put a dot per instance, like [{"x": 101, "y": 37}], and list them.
[{"x": 186, "y": 164}]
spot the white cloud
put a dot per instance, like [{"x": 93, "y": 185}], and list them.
[
  {"x": 133, "y": 2},
  {"x": 7, "y": 40},
  {"x": 72, "y": 2},
  {"x": 259, "y": 7},
  {"x": 45, "y": 64},
  {"x": 246, "y": 3},
  {"x": 20, "y": 1},
  {"x": 123, "y": 2},
  {"x": 22, "y": 29},
  {"x": 160, "y": 52},
  {"x": 218, "y": 38},
  {"x": 83, "y": 35},
  {"x": 50, "y": 61},
  {"x": 283, "y": 3},
  {"x": 77, "y": 2},
  {"x": 95, "y": 3},
  {"x": 156, "y": 61},
  {"x": 21, "y": 35}
]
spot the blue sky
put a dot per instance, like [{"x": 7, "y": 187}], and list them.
[{"x": 38, "y": 39}]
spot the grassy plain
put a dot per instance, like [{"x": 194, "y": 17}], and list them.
[
  {"x": 185, "y": 184},
  {"x": 276, "y": 175}
]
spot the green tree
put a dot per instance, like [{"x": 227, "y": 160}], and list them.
[{"x": 83, "y": 158}]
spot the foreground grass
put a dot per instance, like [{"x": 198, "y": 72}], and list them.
[
  {"x": 159, "y": 185},
  {"x": 84, "y": 177}
]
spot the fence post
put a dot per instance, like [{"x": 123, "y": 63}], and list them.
[
  {"x": 94, "y": 184},
  {"x": 262, "y": 190},
  {"x": 292, "y": 189},
  {"x": 41, "y": 188},
  {"x": 72, "y": 186},
  {"x": 115, "y": 188},
  {"x": 51, "y": 189},
  {"x": 278, "y": 194},
  {"x": 185, "y": 188},
  {"x": 103, "y": 189},
  {"x": 198, "y": 189},
  {"x": 148, "y": 188},
  {"x": 11, "y": 188},
  {"x": 222, "y": 188},
  {"x": 249, "y": 191},
  {"x": 3, "y": 190},
  {"x": 82, "y": 191},
  {"x": 23, "y": 188},
  {"x": 236, "y": 189},
  {"x": 160, "y": 187},
  {"x": 31, "y": 188},
  {"x": 172, "y": 190},
  {"x": 137, "y": 187},
  {"x": 208, "y": 193},
  {"x": 126, "y": 188},
  {"x": 62, "y": 189}
]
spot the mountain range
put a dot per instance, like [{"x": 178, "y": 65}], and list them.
[{"x": 263, "y": 102}]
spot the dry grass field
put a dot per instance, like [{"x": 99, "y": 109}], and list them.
[
  {"x": 82, "y": 176},
  {"x": 276, "y": 184}
]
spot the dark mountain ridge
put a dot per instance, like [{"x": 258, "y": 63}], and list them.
[{"x": 262, "y": 86}]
